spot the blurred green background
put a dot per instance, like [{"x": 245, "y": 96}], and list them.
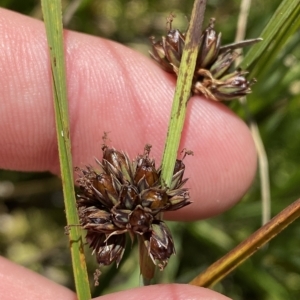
[{"x": 32, "y": 216}]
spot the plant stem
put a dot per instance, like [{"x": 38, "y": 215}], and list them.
[
  {"x": 239, "y": 254},
  {"x": 181, "y": 97},
  {"x": 182, "y": 91},
  {"x": 52, "y": 13}
]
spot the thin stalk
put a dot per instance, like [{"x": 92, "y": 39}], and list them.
[
  {"x": 239, "y": 254},
  {"x": 178, "y": 112},
  {"x": 263, "y": 172},
  {"x": 182, "y": 91},
  {"x": 52, "y": 13},
  {"x": 260, "y": 149}
]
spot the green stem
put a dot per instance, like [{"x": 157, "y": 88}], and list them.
[
  {"x": 52, "y": 13},
  {"x": 178, "y": 112},
  {"x": 182, "y": 91}
]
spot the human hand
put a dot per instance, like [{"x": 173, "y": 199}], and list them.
[{"x": 114, "y": 89}]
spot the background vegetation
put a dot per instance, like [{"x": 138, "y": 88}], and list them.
[{"x": 32, "y": 216}]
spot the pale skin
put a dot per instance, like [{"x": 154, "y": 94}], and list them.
[{"x": 111, "y": 88}]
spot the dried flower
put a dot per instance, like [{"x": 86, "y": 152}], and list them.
[
  {"x": 126, "y": 197},
  {"x": 168, "y": 51},
  {"x": 210, "y": 46},
  {"x": 212, "y": 78}
]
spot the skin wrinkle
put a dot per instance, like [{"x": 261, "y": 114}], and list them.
[
  {"x": 168, "y": 94},
  {"x": 28, "y": 93},
  {"x": 78, "y": 64},
  {"x": 127, "y": 108},
  {"x": 153, "y": 132},
  {"x": 77, "y": 69},
  {"x": 104, "y": 110},
  {"x": 24, "y": 70},
  {"x": 142, "y": 100},
  {"x": 78, "y": 85},
  {"x": 232, "y": 170},
  {"x": 135, "y": 108}
]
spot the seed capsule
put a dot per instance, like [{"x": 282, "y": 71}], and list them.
[
  {"x": 209, "y": 49},
  {"x": 234, "y": 86},
  {"x": 159, "y": 55},
  {"x": 160, "y": 244},
  {"x": 145, "y": 174},
  {"x": 117, "y": 163},
  {"x": 106, "y": 250},
  {"x": 222, "y": 64}
]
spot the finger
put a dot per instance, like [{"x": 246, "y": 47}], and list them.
[
  {"x": 166, "y": 292},
  {"x": 20, "y": 283},
  {"x": 114, "y": 89}
]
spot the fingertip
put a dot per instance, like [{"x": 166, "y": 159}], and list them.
[
  {"x": 166, "y": 292},
  {"x": 18, "y": 282}
]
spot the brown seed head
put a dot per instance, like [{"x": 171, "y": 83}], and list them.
[
  {"x": 213, "y": 62},
  {"x": 126, "y": 197}
]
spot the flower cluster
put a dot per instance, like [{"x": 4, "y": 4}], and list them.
[
  {"x": 126, "y": 197},
  {"x": 212, "y": 77}
]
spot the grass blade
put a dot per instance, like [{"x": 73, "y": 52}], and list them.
[
  {"x": 52, "y": 13},
  {"x": 284, "y": 22}
]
